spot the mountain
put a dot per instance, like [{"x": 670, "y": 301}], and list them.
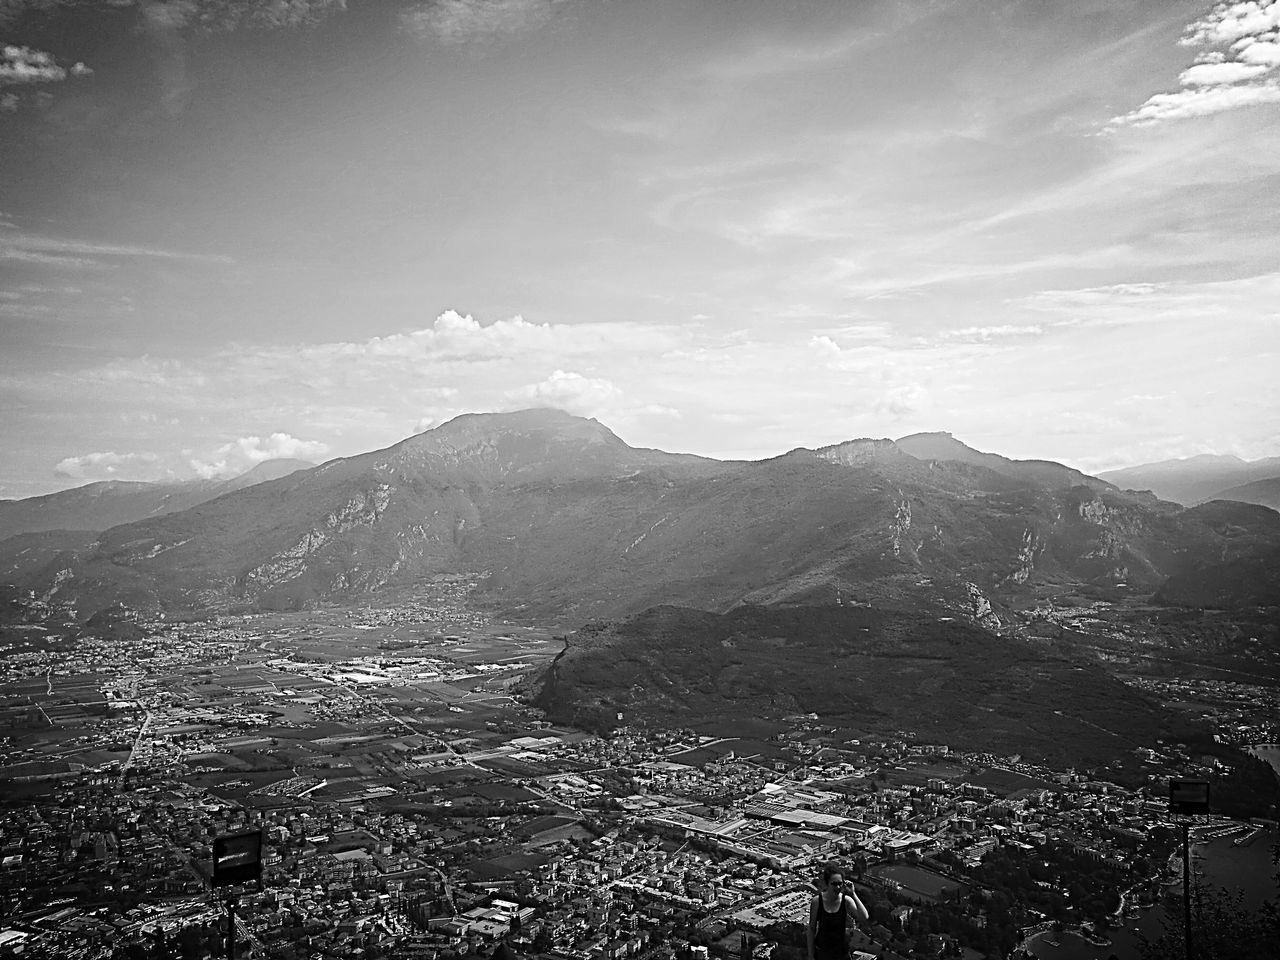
[
  {"x": 1194, "y": 479},
  {"x": 875, "y": 671},
  {"x": 943, "y": 446},
  {"x": 262, "y": 472},
  {"x": 109, "y": 503},
  {"x": 1246, "y": 575},
  {"x": 560, "y": 519},
  {"x": 1265, "y": 493}
]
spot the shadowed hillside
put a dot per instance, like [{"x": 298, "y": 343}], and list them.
[{"x": 882, "y": 670}]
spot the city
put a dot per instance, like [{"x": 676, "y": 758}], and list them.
[{"x": 412, "y": 804}]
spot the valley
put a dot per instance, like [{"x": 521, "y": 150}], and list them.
[{"x": 514, "y": 681}]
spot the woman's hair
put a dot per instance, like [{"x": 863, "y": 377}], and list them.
[{"x": 829, "y": 870}]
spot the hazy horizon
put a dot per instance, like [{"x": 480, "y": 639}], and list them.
[{"x": 729, "y": 228}]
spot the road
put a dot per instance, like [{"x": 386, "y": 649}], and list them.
[{"x": 137, "y": 742}]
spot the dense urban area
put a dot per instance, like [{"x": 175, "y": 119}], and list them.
[{"x": 412, "y": 804}]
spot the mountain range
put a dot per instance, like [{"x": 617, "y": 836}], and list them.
[
  {"x": 1203, "y": 478},
  {"x": 561, "y": 519},
  {"x": 109, "y": 503},
  {"x": 872, "y": 581}
]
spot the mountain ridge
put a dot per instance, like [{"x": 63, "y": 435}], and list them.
[
  {"x": 1193, "y": 480},
  {"x": 104, "y": 504},
  {"x": 559, "y": 518},
  {"x": 943, "y": 445},
  {"x": 1265, "y": 493}
]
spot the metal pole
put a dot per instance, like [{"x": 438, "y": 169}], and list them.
[
  {"x": 231, "y": 929},
  {"x": 1186, "y": 887}
]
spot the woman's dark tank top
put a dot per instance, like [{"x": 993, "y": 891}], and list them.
[{"x": 831, "y": 927}]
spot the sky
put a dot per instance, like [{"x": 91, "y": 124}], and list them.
[{"x": 232, "y": 231}]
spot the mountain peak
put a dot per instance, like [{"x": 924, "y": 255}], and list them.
[
  {"x": 541, "y": 443},
  {"x": 930, "y": 434},
  {"x": 534, "y": 420}
]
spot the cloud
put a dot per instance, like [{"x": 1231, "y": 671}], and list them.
[
  {"x": 275, "y": 447},
  {"x": 205, "y": 14},
  {"x": 1200, "y": 102},
  {"x": 571, "y": 392},
  {"x": 767, "y": 58},
  {"x": 232, "y": 459},
  {"x": 21, "y": 65},
  {"x": 1231, "y": 22},
  {"x": 464, "y": 21},
  {"x": 455, "y": 336},
  {"x": 1214, "y": 74},
  {"x": 902, "y": 401},
  {"x": 1128, "y": 293},
  {"x": 55, "y": 251},
  {"x": 165, "y": 23},
  {"x": 1259, "y": 51},
  {"x": 361, "y": 393},
  {"x": 985, "y": 334},
  {"x": 108, "y": 465},
  {"x": 1203, "y": 304},
  {"x": 1220, "y": 80}
]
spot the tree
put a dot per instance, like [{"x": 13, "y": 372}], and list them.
[{"x": 1222, "y": 928}]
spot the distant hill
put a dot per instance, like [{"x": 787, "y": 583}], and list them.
[
  {"x": 878, "y": 671},
  {"x": 1265, "y": 493},
  {"x": 1194, "y": 479},
  {"x": 560, "y": 519},
  {"x": 109, "y": 503},
  {"x": 1245, "y": 572}
]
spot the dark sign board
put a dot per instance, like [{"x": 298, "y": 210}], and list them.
[
  {"x": 1189, "y": 796},
  {"x": 237, "y": 858}
]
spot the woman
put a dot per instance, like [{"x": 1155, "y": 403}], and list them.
[{"x": 829, "y": 916}]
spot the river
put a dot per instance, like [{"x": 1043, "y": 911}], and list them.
[{"x": 1246, "y": 868}]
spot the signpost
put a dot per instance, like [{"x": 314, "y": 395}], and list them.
[
  {"x": 1187, "y": 797},
  {"x": 237, "y": 859}
]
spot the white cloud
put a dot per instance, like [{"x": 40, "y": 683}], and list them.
[
  {"x": 1213, "y": 74},
  {"x": 56, "y": 251},
  {"x": 1130, "y": 304},
  {"x": 459, "y": 337},
  {"x": 275, "y": 447},
  {"x": 462, "y": 21},
  {"x": 1229, "y": 22},
  {"x": 1220, "y": 81},
  {"x": 203, "y": 14},
  {"x": 234, "y": 458},
  {"x": 572, "y": 392},
  {"x": 902, "y": 401},
  {"x": 984, "y": 334},
  {"x": 24, "y": 65},
  {"x": 1261, "y": 52},
  {"x": 164, "y": 22},
  {"x": 359, "y": 395},
  {"x": 108, "y": 465},
  {"x": 1200, "y": 102}
]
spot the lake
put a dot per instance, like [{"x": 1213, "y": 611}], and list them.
[
  {"x": 1269, "y": 752},
  {"x": 1247, "y": 868}
]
